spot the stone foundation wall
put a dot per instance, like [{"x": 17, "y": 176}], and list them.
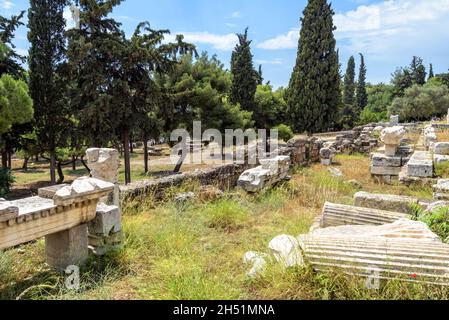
[{"x": 302, "y": 152}]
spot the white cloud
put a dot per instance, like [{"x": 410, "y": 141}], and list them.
[
  {"x": 224, "y": 42},
  {"x": 236, "y": 14},
  {"x": 393, "y": 26},
  {"x": 283, "y": 41},
  {"x": 6, "y": 4},
  {"x": 388, "y": 25}
]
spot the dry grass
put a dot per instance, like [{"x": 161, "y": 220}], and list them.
[
  {"x": 194, "y": 250},
  {"x": 443, "y": 135}
]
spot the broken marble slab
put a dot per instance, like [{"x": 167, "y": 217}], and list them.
[
  {"x": 286, "y": 250},
  {"x": 82, "y": 189}
]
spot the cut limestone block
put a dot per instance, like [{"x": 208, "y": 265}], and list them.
[
  {"x": 420, "y": 165},
  {"x": 108, "y": 220},
  {"x": 385, "y": 202},
  {"x": 405, "y": 250},
  {"x": 257, "y": 261},
  {"x": 67, "y": 248},
  {"x": 381, "y": 160},
  {"x": 104, "y": 163},
  {"x": 339, "y": 215},
  {"x": 385, "y": 171},
  {"x": 441, "y": 148}
]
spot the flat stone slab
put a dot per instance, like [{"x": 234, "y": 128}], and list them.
[
  {"x": 385, "y": 202},
  {"x": 420, "y": 165},
  {"x": 385, "y": 171},
  {"x": 34, "y": 204},
  {"x": 381, "y": 160}
]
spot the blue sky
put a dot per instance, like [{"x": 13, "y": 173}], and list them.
[{"x": 389, "y": 32}]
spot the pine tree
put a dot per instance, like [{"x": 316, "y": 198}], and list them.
[
  {"x": 361, "y": 96},
  {"x": 245, "y": 78},
  {"x": 349, "y": 83},
  {"x": 12, "y": 62},
  {"x": 260, "y": 76},
  {"x": 418, "y": 71},
  {"x": 47, "y": 88},
  {"x": 431, "y": 74},
  {"x": 314, "y": 92}
]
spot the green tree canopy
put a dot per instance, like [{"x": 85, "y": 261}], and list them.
[
  {"x": 16, "y": 106},
  {"x": 422, "y": 103}
]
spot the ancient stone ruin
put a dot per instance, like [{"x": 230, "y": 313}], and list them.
[
  {"x": 267, "y": 174},
  {"x": 389, "y": 164},
  {"x": 72, "y": 218}
]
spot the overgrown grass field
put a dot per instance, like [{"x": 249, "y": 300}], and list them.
[{"x": 195, "y": 250}]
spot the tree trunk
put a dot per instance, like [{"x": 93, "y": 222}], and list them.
[
  {"x": 180, "y": 161},
  {"x": 131, "y": 147},
  {"x": 53, "y": 166},
  {"x": 83, "y": 162},
  {"x": 126, "y": 155},
  {"x": 9, "y": 157},
  {"x": 74, "y": 163},
  {"x": 145, "y": 152},
  {"x": 4, "y": 159},
  {"x": 60, "y": 173},
  {"x": 25, "y": 163},
  {"x": 37, "y": 158}
]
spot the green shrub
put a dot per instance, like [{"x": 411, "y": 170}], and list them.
[
  {"x": 442, "y": 170},
  {"x": 285, "y": 132},
  {"x": 438, "y": 221},
  {"x": 6, "y": 181}
]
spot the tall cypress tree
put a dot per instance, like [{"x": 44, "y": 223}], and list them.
[
  {"x": 314, "y": 90},
  {"x": 349, "y": 83},
  {"x": 245, "y": 77},
  {"x": 431, "y": 74},
  {"x": 362, "y": 96},
  {"x": 46, "y": 55}
]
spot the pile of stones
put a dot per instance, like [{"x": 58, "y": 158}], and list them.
[{"x": 270, "y": 172}]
